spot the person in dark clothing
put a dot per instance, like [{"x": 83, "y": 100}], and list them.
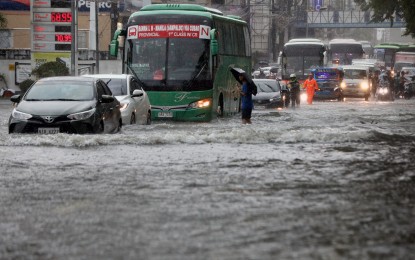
[
  {"x": 294, "y": 87},
  {"x": 246, "y": 105},
  {"x": 375, "y": 82}
]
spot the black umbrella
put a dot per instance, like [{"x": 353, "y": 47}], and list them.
[{"x": 236, "y": 72}]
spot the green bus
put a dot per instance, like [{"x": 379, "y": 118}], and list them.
[
  {"x": 385, "y": 52},
  {"x": 182, "y": 55}
]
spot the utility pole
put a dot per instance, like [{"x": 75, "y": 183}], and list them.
[
  {"x": 74, "y": 41},
  {"x": 96, "y": 37}
]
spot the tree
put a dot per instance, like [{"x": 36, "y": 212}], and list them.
[
  {"x": 390, "y": 9},
  {"x": 50, "y": 69},
  {"x": 3, "y": 21}
]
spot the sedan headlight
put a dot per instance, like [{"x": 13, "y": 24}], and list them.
[
  {"x": 276, "y": 98},
  {"x": 82, "y": 115},
  {"x": 123, "y": 106},
  {"x": 201, "y": 103},
  {"x": 364, "y": 85},
  {"x": 20, "y": 115}
]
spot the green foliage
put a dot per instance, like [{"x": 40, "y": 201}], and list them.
[
  {"x": 385, "y": 10},
  {"x": 25, "y": 85},
  {"x": 51, "y": 69},
  {"x": 3, "y": 21}
]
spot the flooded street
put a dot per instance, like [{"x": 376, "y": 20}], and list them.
[{"x": 327, "y": 181}]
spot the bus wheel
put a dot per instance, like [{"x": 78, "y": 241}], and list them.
[{"x": 220, "y": 107}]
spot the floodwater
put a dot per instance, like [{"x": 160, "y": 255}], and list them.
[{"x": 327, "y": 181}]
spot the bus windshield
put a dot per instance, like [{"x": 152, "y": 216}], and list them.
[
  {"x": 345, "y": 53},
  {"x": 170, "y": 64},
  {"x": 302, "y": 58}
]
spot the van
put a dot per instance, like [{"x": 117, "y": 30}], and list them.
[{"x": 356, "y": 81}]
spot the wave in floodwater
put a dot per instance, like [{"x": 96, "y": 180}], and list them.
[
  {"x": 159, "y": 134},
  {"x": 328, "y": 123}
]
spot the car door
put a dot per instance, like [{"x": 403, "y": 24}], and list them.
[
  {"x": 109, "y": 110},
  {"x": 139, "y": 102}
]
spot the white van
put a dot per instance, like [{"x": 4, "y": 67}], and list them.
[{"x": 356, "y": 81}]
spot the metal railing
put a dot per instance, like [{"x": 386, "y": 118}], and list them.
[{"x": 342, "y": 19}]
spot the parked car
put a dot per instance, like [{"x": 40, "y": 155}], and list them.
[
  {"x": 269, "y": 94},
  {"x": 135, "y": 104},
  {"x": 66, "y": 105},
  {"x": 409, "y": 71},
  {"x": 356, "y": 81},
  {"x": 268, "y": 73}
]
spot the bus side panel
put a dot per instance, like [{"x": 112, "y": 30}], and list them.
[{"x": 226, "y": 85}]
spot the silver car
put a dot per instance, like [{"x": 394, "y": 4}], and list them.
[
  {"x": 269, "y": 94},
  {"x": 135, "y": 105}
]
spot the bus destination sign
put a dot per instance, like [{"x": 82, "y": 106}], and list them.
[{"x": 195, "y": 31}]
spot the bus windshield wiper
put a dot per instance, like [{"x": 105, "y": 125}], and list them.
[
  {"x": 197, "y": 74},
  {"x": 135, "y": 74}
]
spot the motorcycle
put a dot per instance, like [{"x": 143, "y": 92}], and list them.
[{"x": 383, "y": 92}]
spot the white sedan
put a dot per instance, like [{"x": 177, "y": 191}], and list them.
[{"x": 135, "y": 105}]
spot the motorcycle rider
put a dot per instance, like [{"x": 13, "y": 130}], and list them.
[
  {"x": 294, "y": 87},
  {"x": 384, "y": 82},
  {"x": 375, "y": 82}
]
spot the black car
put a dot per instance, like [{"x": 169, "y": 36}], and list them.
[{"x": 66, "y": 105}]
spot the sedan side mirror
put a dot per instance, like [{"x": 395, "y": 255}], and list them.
[
  {"x": 107, "y": 99},
  {"x": 137, "y": 93},
  {"x": 15, "y": 98}
]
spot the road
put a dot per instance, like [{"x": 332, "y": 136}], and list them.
[{"x": 332, "y": 180}]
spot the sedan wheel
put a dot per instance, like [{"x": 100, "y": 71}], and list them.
[
  {"x": 148, "y": 122},
  {"x": 132, "y": 119}
]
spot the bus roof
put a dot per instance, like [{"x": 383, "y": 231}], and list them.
[
  {"x": 304, "y": 40},
  {"x": 391, "y": 45},
  {"x": 304, "y": 43},
  {"x": 185, "y": 9},
  {"x": 180, "y": 7},
  {"x": 343, "y": 41}
]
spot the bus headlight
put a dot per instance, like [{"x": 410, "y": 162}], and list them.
[
  {"x": 203, "y": 103},
  {"x": 343, "y": 84},
  {"x": 364, "y": 85}
]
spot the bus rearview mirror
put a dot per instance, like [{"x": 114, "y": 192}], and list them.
[{"x": 113, "y": 48}]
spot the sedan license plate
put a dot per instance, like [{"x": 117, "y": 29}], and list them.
[
  {"x": 48, "y": 130},
  {"x": 165, "y": 114}
]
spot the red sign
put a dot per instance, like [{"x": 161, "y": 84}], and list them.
[
  {"x": 195, "y": 31},
  {"x": 61, "y": 17},
  {"x": 63, "y": 37}
]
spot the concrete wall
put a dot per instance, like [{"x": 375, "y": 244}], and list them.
[{"x": 8, "y": 69}]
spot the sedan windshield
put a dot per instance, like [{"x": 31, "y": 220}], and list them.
[
  {"x": 355, "y": 74},
  {"x": 267, "y": 86},
  {"x": 118, "y": 87},
  {"x": 64, "y": 90}
]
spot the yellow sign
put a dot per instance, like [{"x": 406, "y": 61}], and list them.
[{"x": 38, "y": 58}]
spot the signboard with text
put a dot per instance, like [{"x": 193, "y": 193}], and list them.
[
  {"x": 195, "y": 31},
  {"x": 51, "y": 30}
]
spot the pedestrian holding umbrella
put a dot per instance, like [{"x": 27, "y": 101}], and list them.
[{"x": 247, "y": 90}]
